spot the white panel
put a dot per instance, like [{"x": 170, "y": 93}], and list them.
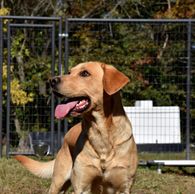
[{"x": 155, "y": 124}]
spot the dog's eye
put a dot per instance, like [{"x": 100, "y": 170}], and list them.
[{"x": 84, "y": 73}]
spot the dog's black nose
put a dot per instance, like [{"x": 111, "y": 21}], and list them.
[{"x": 54, "y": 82}]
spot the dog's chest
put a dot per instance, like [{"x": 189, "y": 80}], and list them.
[
  {"x": 100, "y": 140},
  {"x": 102, "y": 143}
]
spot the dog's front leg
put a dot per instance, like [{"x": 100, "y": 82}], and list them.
[
  {"x": 81, "y": 189},
  {"x": 62, "y": 169},
  {"x": 83, "y": 174}
]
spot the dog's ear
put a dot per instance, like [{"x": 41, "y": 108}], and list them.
[{"x": 113, "y": 79}]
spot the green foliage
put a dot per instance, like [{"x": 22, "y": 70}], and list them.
[
  {"x": 180, "y": 9},
  {"x": 19, "y": 48},
  {"x": 18, "y": 95}
]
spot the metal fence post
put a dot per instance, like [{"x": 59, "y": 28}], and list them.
[
  {"x": 59, "y": 72},
  {"x": 1, "y": 83},
  {"x": 8, "y": 90},
  {"x": 52, "y": 95},
  {"x": 60, "y": 47},
  {"x": 188, "y": 88},
  {"x": 66, "y": 63},
  {"x": 66, "y": 46}
]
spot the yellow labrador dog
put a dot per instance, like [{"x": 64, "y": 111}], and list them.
[{"x": 99, "y": 154}]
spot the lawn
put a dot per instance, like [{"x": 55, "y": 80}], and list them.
[{"x": 14, "y": 179}]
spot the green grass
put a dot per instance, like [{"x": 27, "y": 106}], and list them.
[
  {"x": 165, "y": 156},
  {"x": 14, "y": 179}
]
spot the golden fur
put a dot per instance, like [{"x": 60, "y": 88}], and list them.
[{"x": 99, "y": 154}]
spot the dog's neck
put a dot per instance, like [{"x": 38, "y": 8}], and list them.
[
  {"x": 101, "y": 125},
  {"x": 110, "y": 109}
]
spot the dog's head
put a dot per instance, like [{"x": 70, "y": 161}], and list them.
[{"x": 83, "y": 87}]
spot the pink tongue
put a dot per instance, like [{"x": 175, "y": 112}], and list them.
[{"x": 63, "y": 109}]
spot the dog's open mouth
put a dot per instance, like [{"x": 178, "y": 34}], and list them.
[{"x": 71, "y": 106}]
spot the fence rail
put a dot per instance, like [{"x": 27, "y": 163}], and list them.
[{"x": 157, "y": 55}]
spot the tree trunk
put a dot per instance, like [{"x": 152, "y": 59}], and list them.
[{"x": 23, "y": 141}]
